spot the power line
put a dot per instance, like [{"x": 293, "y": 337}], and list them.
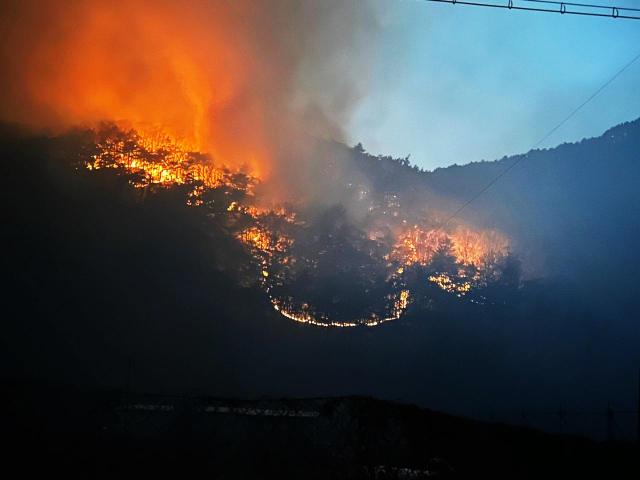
[
  {"x": 568, "y": 8},
  {"x": 585, "y": 5},
  {"x": 539, "y": 142}
]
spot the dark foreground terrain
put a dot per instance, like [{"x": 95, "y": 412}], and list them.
[
  {"x": 106, "y": 288},
  {"x": 108, "y": 433}
]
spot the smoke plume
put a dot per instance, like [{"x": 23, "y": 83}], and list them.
[{"x": 243, "y": 80}]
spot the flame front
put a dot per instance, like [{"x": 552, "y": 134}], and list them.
[
  {"x": 158, "y": 158},
  {"x": 473, "y": 255}
]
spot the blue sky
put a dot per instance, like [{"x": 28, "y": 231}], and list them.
[{"x": 455, "y": 84}]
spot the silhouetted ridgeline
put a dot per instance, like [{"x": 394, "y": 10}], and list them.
[
  {"x": 106, "y": 432},
  {"x": 572, "y": 210},
  {"x": 575, "y": 206},
  {"x": 107, "y": 287}
]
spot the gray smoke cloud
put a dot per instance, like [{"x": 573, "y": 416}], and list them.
[{"x": 248, "y": 81}]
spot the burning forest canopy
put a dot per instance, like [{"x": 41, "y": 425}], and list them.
[
  {"x": 188, "y": 182},
  {"x": 220, "y": 100},
  {"x": 99, "y": 263},
  {"x": 319, "y": 265},
  {"x": 243, "y": 81}
]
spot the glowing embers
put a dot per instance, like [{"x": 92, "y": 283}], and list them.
[
  {"x": 450, "y": 283},
  {"x": 194, "y": 197},
  {"x": 338, "y": 292},
  {"x": 258, "y": 239},
  {"x": 264, "y": 243},
  {"x": 305, "y": 314}
]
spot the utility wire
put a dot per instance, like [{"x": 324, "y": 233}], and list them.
[
  {"x": 576, "y": 8},
  {"x": 585, "y": 5},
  {"x": 539, "y": 142}
]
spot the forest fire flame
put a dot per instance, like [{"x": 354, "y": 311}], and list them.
[
  {"x": 457, "y": 261},
  {"x": 140, "y": 63},
  {"x": 468, "y": 247},
  {"x": 236, "y": 79},
  {"x": 156, "y": 158},
  {"x": 305, "y": 315},
  {"x": 464, "y": 259},
  {"x": 220, "y": 98}
]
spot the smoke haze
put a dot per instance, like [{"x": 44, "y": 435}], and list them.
[{"x": 242, "y": 80}]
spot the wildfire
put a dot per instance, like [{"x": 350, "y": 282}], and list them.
[
  {"x": 156, "y": 158},
  {"x": 258, "y": 239},
  {"x": 237, "y": 79},
  {"x": 235, "y": 97},
  {"x": 198, "y": 71},
  {"x": 478, "y": 248},
  {"x": 418, "y": 246},
  {"x": 456, "y": 261},
  {"x": 449, "y": 284},
  {"x": 468, "y": 247},
  {"x": 269, "y": 249},
  {"x": 272, "y": 249},
  {"x": 264, "y": 242},
  {"x": 304, "y": 314},
  {"x": 470, "y": 256}
]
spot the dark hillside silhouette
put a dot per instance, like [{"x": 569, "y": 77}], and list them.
[{"x": 108, "y": 286}]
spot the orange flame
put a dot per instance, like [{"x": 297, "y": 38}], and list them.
[
  {"x": 469, "y": 247},
  {"x": 216, "y": 75}
]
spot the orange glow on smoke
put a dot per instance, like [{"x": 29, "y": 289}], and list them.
[
  {"x": 478, "y": 248},
  {"x": 159, "y": 159},
  {"x": 469, "y": 247},
  {"x": 198, "y": 70}
]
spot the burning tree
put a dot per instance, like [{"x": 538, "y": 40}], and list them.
[{"x": 320, "y": 267}]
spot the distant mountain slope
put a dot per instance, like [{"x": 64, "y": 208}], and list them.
[
  {"x": 575, "y": 204},
  {"x": 571, "y": 210},
  {"x": 104, "y": 287}
]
